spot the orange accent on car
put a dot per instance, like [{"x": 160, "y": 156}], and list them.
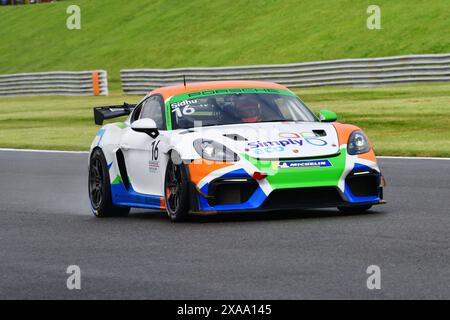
[
  {"x": 162, "y": 203},
  {"x": 344, "y": 131},
  {"x": 201, "y": 168},
  {"x": 95, "y": 83},
  {"x": 368, "y": 156},
  {"x": 167, "y": 92}
]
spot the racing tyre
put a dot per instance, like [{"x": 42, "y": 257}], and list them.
[
  {"x": 176, "y": 194},
  {"x": 354, "y": 209},
  {"x": 100, "y": 188}
]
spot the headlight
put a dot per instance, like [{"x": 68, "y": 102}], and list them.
[
  {"x": 211, "y": 150},
  {"x": 358, "y": 143}
]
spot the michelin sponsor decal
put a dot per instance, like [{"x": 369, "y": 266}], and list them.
[{"x": 302, "y": 164}]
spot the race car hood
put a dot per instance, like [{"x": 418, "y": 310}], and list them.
[{"x": 275, "y": 140}]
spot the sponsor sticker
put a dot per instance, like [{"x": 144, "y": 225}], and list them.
[
  {"x": 259, "y": 144},
  {"x": 304, "y": 164},
  {"x": 183, "y": 103},
  {"x": 153, "y": 166}
]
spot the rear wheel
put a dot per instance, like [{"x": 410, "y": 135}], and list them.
[
  {"x": 176, "y": 191},
  {"x": 100, "y": 188},
  {"x": 355, "y": 209}
]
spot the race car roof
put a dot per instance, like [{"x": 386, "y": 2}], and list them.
[{"x": 191, "y": 87}]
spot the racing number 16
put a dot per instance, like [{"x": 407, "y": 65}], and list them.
[
  {"x": 155, "y": 150},
  {"x": 187, "y": 110}
]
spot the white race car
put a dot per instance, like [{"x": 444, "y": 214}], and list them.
[{"x": 228, "y": 146}]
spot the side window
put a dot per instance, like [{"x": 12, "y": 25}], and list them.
[
  {"x": 152, "y": 108},
  {"x": 136, "y": 113}
]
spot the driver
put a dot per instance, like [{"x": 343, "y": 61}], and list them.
[{"x": 248, "y": 110}]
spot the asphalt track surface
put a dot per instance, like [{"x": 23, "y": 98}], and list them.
[{"x": 46, "y": 225}]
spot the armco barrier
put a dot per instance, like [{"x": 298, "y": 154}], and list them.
[
  {"x": 67, "y": 83},
  {"x": 350, "y": 72}
]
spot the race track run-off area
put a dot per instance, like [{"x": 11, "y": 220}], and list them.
[{"x": 46, "y": 225}]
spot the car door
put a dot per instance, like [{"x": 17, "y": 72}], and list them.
[{"x": 145, "y": 163}]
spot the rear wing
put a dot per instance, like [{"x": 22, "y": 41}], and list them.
[{"x": 110, "y": 112}]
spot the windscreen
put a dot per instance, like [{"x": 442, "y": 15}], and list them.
[{"x": 236, "y": 106}]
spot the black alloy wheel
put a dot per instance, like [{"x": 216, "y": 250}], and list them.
[
  {"x": 100, "y": 188},
  {"x": 176, "y": 191}
]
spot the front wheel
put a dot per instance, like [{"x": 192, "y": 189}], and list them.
[
  {"x": 100, "y": 188},
  {"x": 176, "y": 195},
  {"x": 355, "y": 209}
]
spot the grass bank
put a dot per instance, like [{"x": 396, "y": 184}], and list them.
[
  {"x": 118, "y": 34},
  {"x": 400, "y": 120}
]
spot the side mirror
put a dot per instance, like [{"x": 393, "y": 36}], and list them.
[
  {"x": 147, "y": 126},
  {"x": 327, "y": 116}
]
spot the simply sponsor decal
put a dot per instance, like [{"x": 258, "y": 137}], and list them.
[
  {"x": 259, "y": 144},
  {"x": 289, "y": 139},
  {"x": 309, "y": 137},
  {"x": 302, "y": 164},
  {"x": 259, "y": 147}
]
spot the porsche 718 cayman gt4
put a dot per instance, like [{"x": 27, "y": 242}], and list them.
[{"x": 228, "y": 146}]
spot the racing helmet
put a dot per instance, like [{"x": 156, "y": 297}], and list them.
[{"x": 248, "y": 109}]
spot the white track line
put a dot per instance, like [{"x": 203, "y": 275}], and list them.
[
  {"x": 43, "y": 151},
  {"x": 413, "y": 158},
  {"x": 86, "y": 152}
]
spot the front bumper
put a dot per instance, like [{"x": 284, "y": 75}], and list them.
[{"x": 342, "y": 182}]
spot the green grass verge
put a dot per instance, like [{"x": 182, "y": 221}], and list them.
[
  {"x": 119, "y": 34},
  {"x": 400, "y": 120}
]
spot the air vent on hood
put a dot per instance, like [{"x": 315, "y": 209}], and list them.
[
  {"x": 235, "y": 136},
  {"x": 320, "y": 133}
]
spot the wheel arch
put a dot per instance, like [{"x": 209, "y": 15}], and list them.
[
  {"x": 193, "y": 199},
  {"x": 91, "y": 152}
]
